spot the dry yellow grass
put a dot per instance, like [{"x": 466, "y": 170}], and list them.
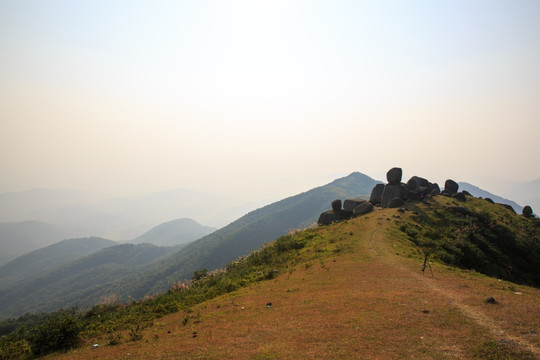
[{"x": 364, "y": 303}]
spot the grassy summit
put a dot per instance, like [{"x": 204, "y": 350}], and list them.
[{"x": 348, "y": 290}]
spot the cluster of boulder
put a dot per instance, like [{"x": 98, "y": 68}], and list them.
[{"x": 393, "y": 195}]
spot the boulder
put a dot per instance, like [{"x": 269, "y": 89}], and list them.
[
  {"x": 420, "y": 182},
  {"x": 509, "y": 207},
  {"x": 390, "y": 192},
  {"x": 434, "y": 189},
  {"x": 489, "y": 200},
  {"x": 362, "y": 208},
  {"x": 326, "y": 218},
  {"x": 376, "y": 194},
  {"x": 350, "y": 204},
  {"x": 460, "y": 210},
  {"x": 342, "y": 215},
  {"x": 412, "y": 185},
  {"x": 394, "y": 176},
  {"x": 447, "y": 193},
  {"x": 396, "y": 202},
  {"x": 527, "y": 211},
  {"x": 459, "y": 196},
  {"x": 336, "y": 205},
  {"x": 465, "y": 192},
  {"x": 414, "y": 195},
  {"x": 404, "y": 191},
  {"x": 451, "y": 186}
]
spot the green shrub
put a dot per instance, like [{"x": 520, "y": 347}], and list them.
[{"x": 57, "y": 331}]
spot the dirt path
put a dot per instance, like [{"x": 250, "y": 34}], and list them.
[
  {"x": 487, "y": 322},
  {"x": 455, "y": 296}
]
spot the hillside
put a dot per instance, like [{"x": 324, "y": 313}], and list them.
[
  {"x": 242, "y": 236},
  {"x": 47, "y": 258},
  {"x": 174, "y": 232},
  {"x": 348, "y": 290},
  {"x": 88, "y": 280},
  {"x": 476, "y": 191},
  {"x": 74, "y": 283},
  {"x": 18, "y": 238}
]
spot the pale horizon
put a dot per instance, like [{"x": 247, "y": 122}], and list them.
[{"x": 266, "y": 99}]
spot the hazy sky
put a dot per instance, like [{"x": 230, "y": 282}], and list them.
[{"x": 266, "y": 98}]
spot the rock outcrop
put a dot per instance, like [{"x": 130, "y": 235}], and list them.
[{"x": 394, "y": 194}]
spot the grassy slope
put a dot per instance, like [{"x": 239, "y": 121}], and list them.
[
  {"x": 240, "y": 237},
  {"x": 353, "y": 292}
]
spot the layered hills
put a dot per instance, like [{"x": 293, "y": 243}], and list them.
[
  {"x": 47, "y": 258},
  {"x": 78, "y": 283},
  {"x": 353, "y": 289},
  {"x": 174, "y": 232}
]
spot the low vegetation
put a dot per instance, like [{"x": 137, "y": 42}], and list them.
[
  {"x": 41, "y": 334},
  {"x": 489, "y": 239}
]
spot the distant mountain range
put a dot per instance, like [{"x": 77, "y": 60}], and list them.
[
  {"x": 81, "y": 214},
  {"x": 133, "y": 271},
  {"x": 175, "y": 232},
  {"x": 477, "y": 192},
  {"x": 527, "y": 193},
  {"x": 19, "y": 238},
  {"x": 79, "y": 282},
  {"x": 50, "y": 257}
]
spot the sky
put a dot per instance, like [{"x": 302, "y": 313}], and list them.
[{"x": 265, "y": 99}]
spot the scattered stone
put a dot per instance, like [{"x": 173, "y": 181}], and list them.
[
  {"x": 465, "y": 192},
  {"x": 362, "y": 208},
  {"x": 527, "y": 211},
  {"x": 95, "y": 346},
  {"x": 425, "y": 311},
  {"x": 396, "y": 202},
  {"x": 460, "y": 210},
  {"x": 376, "y": 194},
  {"x": 394, "y": 176},
  {"x": 491, "y": 300},
  {"x": 195, "y": 334},
  {"x": 336, "y": 205},
  {"x": 459, "y": 196},
  {"x": 268, "y": 305},
  {"x": 350, "y": 204},
  {"x": 509, "y": 207},
  {"x": 451, "y": 186}
]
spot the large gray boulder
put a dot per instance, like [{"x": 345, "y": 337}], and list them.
[
  {"x": 390, "y": 192},
  {"x": 350, "y": 204},
  {"x": 394, "y": 176},
  {"x": 376, "y": 194},
  {"x": 451, "y": 186},
  {"x": 362, "y": 209},
  {"x": 434, "y": 189},
  {"x": 527, "y": 211},
  {"x": 419, "y": 181},
  {"x": 396, "y": 202},
  {"x": 326, "y": 218},
  {"x": 336, "y": 205}
]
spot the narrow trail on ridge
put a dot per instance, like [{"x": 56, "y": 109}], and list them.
[{"x": 455, "y": 296}]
